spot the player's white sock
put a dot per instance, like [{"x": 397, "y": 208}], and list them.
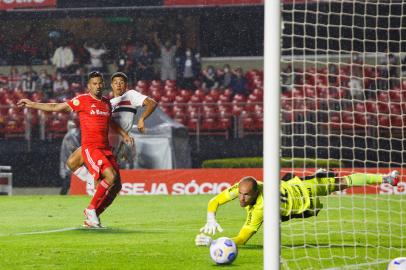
[{"x": 83, "y": 174}]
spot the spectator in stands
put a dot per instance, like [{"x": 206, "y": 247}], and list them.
[
  {"x": 62, "y": 58},
  {"x": 383, "y": 72},
  {"x": 14, "y": 78},
  {"x": 403, "y": 67},
  {"x": 60, "y": 88},
  {"x": 239, "y": 83},
  {"x": 3, "y": 47},
  {"x": 227, "y": 76},
  {"x": 287, "y": 78},
  {"x": 45, "y": 82},
  {"x": 168, "y": 52},
  {"x": 29, "y": 80},
  {"x": 47, "y": 52},
  {"x": 144, "y": 63},
  {"x": 332, "y": 74},
  {"x": 70, "y": 142},
  {"x": 189, "y": 69},
  {"x": 356, "y": 89},
  {"x": 78, "y": 80},
  {"x": 393, "y": 71},
  {"x": 210, "y": 80},
  {"x": 122, "y": 59},
  {"x": 96, "y": 53}
]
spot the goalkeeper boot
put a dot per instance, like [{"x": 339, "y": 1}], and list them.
[
  {"x": 391, "y": 178},
  {"x": 91, "y": 221}
]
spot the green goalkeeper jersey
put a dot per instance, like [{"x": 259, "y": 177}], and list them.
[{"x": 255, "y": 212}]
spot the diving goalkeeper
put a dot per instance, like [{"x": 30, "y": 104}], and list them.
[{"x": 299, "y": 199}]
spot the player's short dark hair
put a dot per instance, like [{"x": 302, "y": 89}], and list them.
[
  {"x": 94, "y": 74},
  {"x": 121, "y": 75},
  {"x": 251, "y": 180}
]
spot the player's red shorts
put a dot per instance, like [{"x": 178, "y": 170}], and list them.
[{"x": 97, "y": 160}]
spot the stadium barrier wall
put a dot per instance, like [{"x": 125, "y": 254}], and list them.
[
  {"x": 213, "y": 181},
  {"x": 173, "y": 182}
]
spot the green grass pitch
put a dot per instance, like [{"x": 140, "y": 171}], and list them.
[
  {"x": 350, "y": 232},
  {"x": 143, "y": 232}
]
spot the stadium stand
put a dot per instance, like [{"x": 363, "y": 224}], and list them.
[{"x": 214, "y": 112}]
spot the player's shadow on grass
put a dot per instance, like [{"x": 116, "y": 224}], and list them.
[{"x": 251, "y": 247}]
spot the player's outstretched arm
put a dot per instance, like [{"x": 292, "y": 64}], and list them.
[
  {"x": 225, "y": 196},
  {"x": 48, "y": 107},
  {"x": 126, "y": 138},
  {"x": 150, "y": 105}
]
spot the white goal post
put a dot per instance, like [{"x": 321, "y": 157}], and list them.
[{"x": 343, "y": 100}]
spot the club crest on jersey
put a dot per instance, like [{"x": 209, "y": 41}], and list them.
[
  {"x": 99, "y": 162},
  {"x": 76, "y": 102}
]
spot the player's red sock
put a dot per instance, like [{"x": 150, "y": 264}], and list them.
[
  {"x": 108, "y": 199},
  {"x": 101, "y": 192}
]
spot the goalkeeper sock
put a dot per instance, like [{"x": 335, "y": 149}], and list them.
[
  {"x": 362, "y": 179},
  {"x": 101, "y": 192},
  {"x": 108, "y": 199}
]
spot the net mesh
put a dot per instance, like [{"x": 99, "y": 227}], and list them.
[{"x": 343, "y": 99}]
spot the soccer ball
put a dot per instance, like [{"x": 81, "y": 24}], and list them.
[
  {"x": 223, "y": 250},
  {"x": 397, "y": 264}
]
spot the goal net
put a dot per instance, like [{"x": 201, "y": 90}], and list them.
[{"x": 343, "y": 100}]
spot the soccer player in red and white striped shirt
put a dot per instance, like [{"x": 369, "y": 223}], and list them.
[{"x": 94, "y": 112}]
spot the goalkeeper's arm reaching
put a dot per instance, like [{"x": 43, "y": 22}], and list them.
[{"x": 249, "y": 192}]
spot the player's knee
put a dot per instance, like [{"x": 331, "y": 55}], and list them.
[
  {"x": 111, "y": 176},
  {"x": 117, "y": 187},
  {"x": 71, "y": 164}
]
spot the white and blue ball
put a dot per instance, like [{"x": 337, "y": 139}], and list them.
[
  {"x": 397, "y": 264},
  {"x": 223, "y": 250}
]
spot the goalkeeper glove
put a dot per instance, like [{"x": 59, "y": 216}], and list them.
[
  {"x": 211, "y": 225},
  {"x": 202, "y": 240}
]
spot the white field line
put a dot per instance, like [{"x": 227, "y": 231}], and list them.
[
  {"x": 107, "y": 228},
  {"x": 357, "y": 266}
]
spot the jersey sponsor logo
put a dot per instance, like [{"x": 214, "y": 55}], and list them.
[
  {"x": 98, "y": 112},
  {"x": 76, "y": 102},
  {"x": 93, "y": 106}
]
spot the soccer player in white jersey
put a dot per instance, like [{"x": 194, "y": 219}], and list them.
[{"x": 124, "y": 108}]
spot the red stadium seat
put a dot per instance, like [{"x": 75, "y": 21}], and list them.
[
  {"x": 209, "y": 124},
  {"x": 171, "y": 83},
  {"x": 156, "y": 83},
  {"x": 215, "y": 93},
  {"x": 156, "y": 95},
  {"x": 395, "y": 109},
  {"x": 395, "y": 96},
  {"x": 383, "y": 121},
  {"x": 200, "y": 93},
  {"x": 396, "y": 121},
  {"x": 237, "y": 109},
  {"x": 195, "y": 99},
  {"x": 228, "y": 92},
  {"x": 186, "y": 94}
]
